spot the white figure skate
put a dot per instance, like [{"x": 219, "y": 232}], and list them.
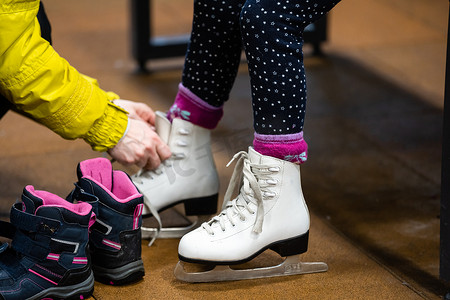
[
  {"x": 269, "y": 213},
  {"x": 189, "y": 177}
]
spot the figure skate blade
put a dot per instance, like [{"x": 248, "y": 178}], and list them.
[
  {"x": 290, "y": 266},
  {"x": 172, "y": 232}
]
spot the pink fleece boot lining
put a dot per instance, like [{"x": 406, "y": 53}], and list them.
[
  {"x": 116, "y": 183},
  {"x": 289, "y": 147},
  {"x": 49, "y": 199},
  {"x": 190, "y": 107},
  {"x": 99, "y": 169}
]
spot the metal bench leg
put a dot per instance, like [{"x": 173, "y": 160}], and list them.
[{"x": 445, "y": 180}]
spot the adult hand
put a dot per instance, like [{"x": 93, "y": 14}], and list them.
[
  {"x": 137, "y": 110},
  {"x": 141, "y": 146}
]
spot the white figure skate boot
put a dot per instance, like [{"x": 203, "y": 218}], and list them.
[
  {"x": 188, "y": 177},
  {"x": 269, "y": 213}
]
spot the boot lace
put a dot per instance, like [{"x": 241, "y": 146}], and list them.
[{"x": 255, "y": 183}]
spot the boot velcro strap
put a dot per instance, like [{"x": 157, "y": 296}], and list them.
[
  {"x": 10, "y": 264},
  {"x": 80, "y": 195},
  {"x": 60, "y": 246},
  {"x": 7, "y": 229},
  {"x": 32, "y": 236},
  {"x": 33, "y": 223},
  {"x": 101, "y": 227},
  {"x": 38, "y": 247}
]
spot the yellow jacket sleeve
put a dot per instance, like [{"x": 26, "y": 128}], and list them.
[{"x": 43, "y": 85}]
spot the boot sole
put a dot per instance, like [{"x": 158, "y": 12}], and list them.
[
  {"x": 78, "y": 291},
  {"x": 288, "y": 247},
  {"x": 126, "y": 274}
]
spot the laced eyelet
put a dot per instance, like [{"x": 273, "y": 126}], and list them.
[
  {"x": 178, "y": 155},
  {"x": 272, "y": 181},
  {"x": 269, "y": 194},
  {"x": 184, "y": 131},
  {"x": 182, "y": 143}
]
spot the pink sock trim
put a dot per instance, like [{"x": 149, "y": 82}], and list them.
[
  {"x": 190, "y": 107},
  {"x": 289, "y": 147}
]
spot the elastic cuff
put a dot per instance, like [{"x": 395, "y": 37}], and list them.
[
  {"x": 108, "y": 130},
  {"x": 125, "y": 133},
  {"x": 289, "y": 147},
  {"x": 191, "y": 108}
]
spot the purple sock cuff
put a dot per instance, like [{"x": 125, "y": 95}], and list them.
[
  {"x": 290, "y": 147},
  {"x": 190, "y": 107}
]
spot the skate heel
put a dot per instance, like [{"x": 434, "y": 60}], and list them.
[
  {"x": 293, "y": 246},
  {"x": 201, "y": 206}
]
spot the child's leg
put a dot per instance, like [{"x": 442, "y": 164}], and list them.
[
  {"x": 270, "y": 211},
  {"x": 211, "y": 62},
  {"x": 272, "y": 33}
]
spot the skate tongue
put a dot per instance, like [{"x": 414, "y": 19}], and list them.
[
  {"x": 254, "y": 156},
  {"x": 99, "y": 169},
  {"x": 163, "y": 126}
]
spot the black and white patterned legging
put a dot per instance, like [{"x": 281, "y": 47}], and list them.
[{"x": 271, "y": 33}]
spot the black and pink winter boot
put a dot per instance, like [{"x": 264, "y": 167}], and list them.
[
  {"x": 115, "y": 240},
  {"x": 48, "y": 255}
]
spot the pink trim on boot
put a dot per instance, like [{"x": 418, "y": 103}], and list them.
[
  {"x": 289, "y": 147},
  {"x": 190, "y": 107},
  {"x": 137, "y": 215}
]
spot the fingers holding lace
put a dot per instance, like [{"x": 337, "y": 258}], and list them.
[{"x": 141, "y": 146}]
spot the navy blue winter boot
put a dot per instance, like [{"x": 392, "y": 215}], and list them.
[
  {"x": 115, "y": 240},
  {"x": 48, "y": 255}
]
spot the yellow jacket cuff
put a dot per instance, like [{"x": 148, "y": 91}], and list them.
[{"x": 109, "y": 129}]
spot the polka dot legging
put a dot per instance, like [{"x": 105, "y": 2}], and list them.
[{"x": 271, "y": 33}]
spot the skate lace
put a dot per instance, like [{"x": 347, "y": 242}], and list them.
[
  {"x": 143, "y": 174},
  {"x": 254, "y": 186},
  {"x": 151, "y": 174}
]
